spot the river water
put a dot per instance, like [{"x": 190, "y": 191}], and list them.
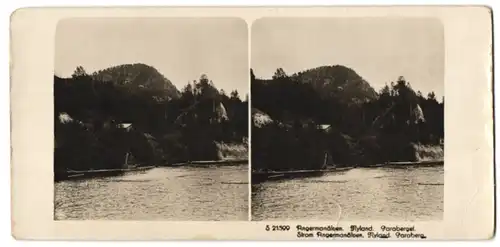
[
  {"x": 359, "y": 194},
  {"x": 183, "y": 193}
]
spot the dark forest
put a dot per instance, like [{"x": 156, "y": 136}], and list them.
[
  {"x": 330, "y": 111},
  {"x": 101, "y": 117}
]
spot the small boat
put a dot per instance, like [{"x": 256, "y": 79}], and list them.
[
  {"x": 75, "y": 175},
  {"x": 276, "y": 176}
]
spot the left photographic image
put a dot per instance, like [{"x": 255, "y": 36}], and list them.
[{"x": 151, "y": 119}]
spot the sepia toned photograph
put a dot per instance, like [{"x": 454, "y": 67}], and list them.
[
  {"x": 151, "y": 119},
  {"x": 347, "y": 119},
  {"x": 252, "y": 123}
]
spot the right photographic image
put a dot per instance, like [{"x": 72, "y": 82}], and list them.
[{"x": 347, "y": 119}]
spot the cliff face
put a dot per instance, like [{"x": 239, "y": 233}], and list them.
[
  {"x": 260, "y": 118},
  {"x": 232, "y": 151},
  {"x": 429, "y": 152}
]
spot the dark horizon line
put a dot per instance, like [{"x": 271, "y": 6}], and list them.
[
  {"x": 178, "y": 90},
  {"x": 376, "y": 91}
]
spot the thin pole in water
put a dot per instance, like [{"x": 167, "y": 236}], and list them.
[
  {"x": 326, "y": 157},
  {"x": 126, "y": 160}
]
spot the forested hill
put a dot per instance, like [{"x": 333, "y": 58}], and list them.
[
  {"x": 335, "y": 81},
  {"x": 338, "y": 81},
  {"x": 134, "y": 109},
  {"x": 300, "y": 117},
  {"x": 134, "y": 76}
]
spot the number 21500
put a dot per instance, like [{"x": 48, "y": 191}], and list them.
[{"x": 278, "y": 228}]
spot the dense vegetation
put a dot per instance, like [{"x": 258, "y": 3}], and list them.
[
  {"x": 333, "y": 110},
  {"x": 134, "y": 109}
]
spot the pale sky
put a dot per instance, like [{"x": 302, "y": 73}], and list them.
[
  {"x": 182, "y": 49},
  {"x": 378, "y": 49}
]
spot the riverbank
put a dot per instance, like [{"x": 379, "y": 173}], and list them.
[
  {"x": 258, "y": 177},
  {"x": 73, "y": 174},
  {"x": 416, "y": 163},
  {"x": 228, "y": 162},
  {"x": 262, "y": 176}
]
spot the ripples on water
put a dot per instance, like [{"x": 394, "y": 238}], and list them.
[
  {"x": 357, "y": 194},
  {"x": 186, "y": 193}
]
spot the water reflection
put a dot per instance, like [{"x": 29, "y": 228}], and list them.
[
  {"x": 187, "y": 193},
  {"x": 357, "y": 194}
]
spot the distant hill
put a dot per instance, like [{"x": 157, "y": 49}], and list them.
[
  {"x": 138, "y": 75},
  {"x": 339, "y": 81}
]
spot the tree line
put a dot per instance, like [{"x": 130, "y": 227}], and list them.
[
  {"x": 309, "y": 123},
  {"x": 97, "y": 122}
]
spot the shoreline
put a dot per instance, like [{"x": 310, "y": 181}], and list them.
[
  {"x": 74, "y": 174},
  {"x": 263, "y": 176},
  {"x": 87, "y": 174},
  {"x": 201, "y": 163}
]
